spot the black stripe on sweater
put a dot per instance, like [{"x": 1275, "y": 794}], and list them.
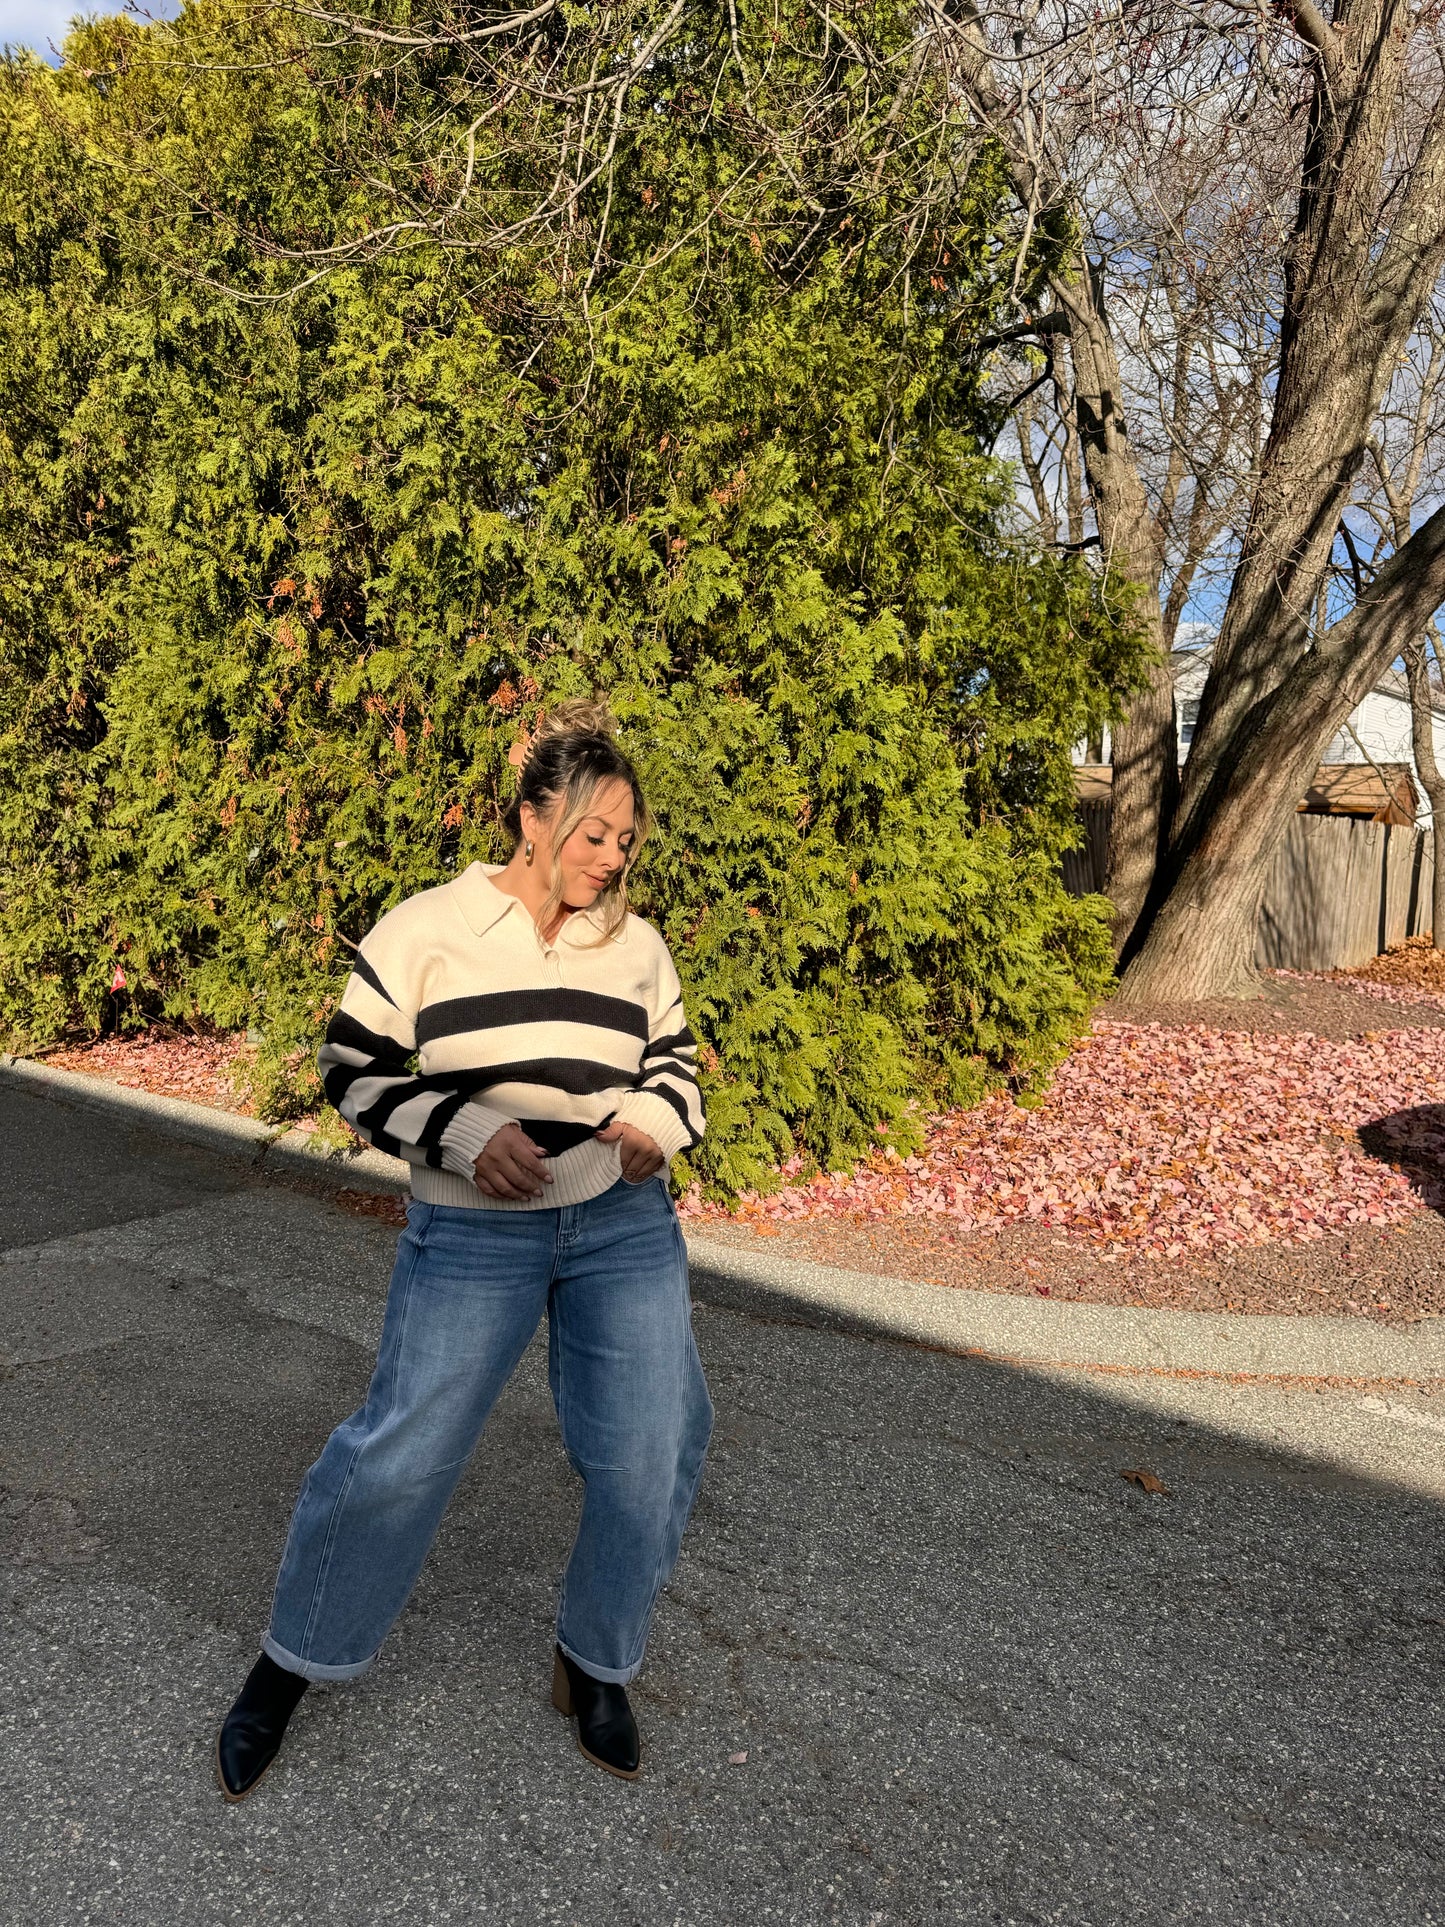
[
  {"x": 575, "y": 1075},
  {"x": 403, "y": 1083},
  {"x": 498, "y": 1008},
  {"x": 679, "y": 1104},
  {"x": 554, "y": 1136},
  {"x": 367, "y": 975},
  {"x": 442, "y": 1114},
  {"x": 375, "y": 1118},
  {"x": 663, "y": 1046},
  {"x": 578, "y": 1076},
  {"x": 678, "y": 1067},
  {"x": 350, "y": 1032}
]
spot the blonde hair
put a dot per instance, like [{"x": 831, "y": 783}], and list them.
[{"x": 571, "y": 754}]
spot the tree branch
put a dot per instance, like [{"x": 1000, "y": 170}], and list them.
[
  {"x": 1314, "y": 30},
  {"x": 1407, "y": 590}
]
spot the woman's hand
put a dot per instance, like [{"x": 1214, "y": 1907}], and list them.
[
  {"x": 641, "y": 1158},
  {"x": 510, "y": 1165}
]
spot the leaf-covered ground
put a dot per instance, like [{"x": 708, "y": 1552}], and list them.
[
  {"x": 204, "y": 1069},
  {"x": 1290, "y": 1157},
  {"x": 1170, "y": 1140},
  {"x": 1286, "y": 1155}
]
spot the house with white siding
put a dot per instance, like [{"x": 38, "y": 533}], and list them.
[{"x": 1377, "y": 736}]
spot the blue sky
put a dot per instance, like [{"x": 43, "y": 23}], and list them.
[{"x": 36, "y": 23}]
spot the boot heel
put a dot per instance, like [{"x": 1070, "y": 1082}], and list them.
[{"x": 561, "y": 1687}]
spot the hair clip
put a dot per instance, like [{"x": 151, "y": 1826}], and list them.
[{"x": 519, "y": 752}]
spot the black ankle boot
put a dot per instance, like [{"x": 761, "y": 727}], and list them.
[
  {"x": 606, "y": 1730},
  {"x": 251, "y": 1733}
]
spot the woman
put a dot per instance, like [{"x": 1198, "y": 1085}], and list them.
[{"x": 556, "y": 1080}]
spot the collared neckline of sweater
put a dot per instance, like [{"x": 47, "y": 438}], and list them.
[{"x": 484, "y": 905}]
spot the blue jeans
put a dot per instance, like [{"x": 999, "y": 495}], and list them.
[{"x": 467, "y": 1292}]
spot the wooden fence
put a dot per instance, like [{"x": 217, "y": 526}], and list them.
[
  {"x": 1340, "y": 889},
  {"x": 1084, "y": 868}
]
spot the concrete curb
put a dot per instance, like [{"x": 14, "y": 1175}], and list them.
[
  {"x": 1031, "y": 1331},
  {"x": 999, "y": 1325},
  {"x": 270, "y": 1147}
]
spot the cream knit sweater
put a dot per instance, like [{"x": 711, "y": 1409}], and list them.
[{"x": 560, "y": 1038}]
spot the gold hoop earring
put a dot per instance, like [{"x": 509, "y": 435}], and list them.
[{"x": 527, "y": 851}]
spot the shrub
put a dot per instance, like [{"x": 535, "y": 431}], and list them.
[{"x": 279, "y": 583}]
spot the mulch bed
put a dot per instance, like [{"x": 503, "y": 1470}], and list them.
[
  {"x": 1282, "y": 1155},
  {"x": 1334, "y": 1007},
  {"x": 205, "y": 1067}
]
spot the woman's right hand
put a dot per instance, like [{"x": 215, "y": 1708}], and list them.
[{"x": 510, "y": 1165}]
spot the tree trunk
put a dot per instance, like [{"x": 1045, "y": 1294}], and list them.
[
  {"x": 1144, "y": 791},
  {"x": 1201, "y": 939},
  {"x": 1145, "y": 747},
  {"x": 1422, "y": 736},
  {"x": 1200, "y": 942}
]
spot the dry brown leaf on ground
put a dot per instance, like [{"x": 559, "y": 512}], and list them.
[
  {"x": 1149, "y": 1482},
  {"x": 1415, "y": 963},
  {"x": 372, "y": 1204}
]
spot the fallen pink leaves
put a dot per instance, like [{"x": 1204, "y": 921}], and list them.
[
  {"x": 1169, "y": 1140},
  {"x": 198, "y": 1068}
]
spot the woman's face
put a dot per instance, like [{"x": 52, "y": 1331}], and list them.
[{"x": 597, "y": 849}]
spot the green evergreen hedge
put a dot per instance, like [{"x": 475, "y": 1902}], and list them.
[{"x": 279, "y": 582}]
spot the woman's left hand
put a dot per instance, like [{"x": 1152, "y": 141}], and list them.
[{"x": 641, "y": 1158}]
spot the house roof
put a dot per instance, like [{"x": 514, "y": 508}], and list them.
[
  {"x": 1356, "y": 789},
  {"x": 1394, "y": 682},
  {"x": 1337, "y": 789},
  {"x": 1390, "y": 682}
]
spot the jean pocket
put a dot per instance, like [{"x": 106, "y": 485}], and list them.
[{"x": 636, "y": 1184}]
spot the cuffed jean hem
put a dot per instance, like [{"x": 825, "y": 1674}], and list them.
[
  {"x": 309, "y": 1669},
  {"x": 613, "y": 1675}
]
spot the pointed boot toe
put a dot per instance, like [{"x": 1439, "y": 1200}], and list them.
[
  {"x": 606, "y": 1731},
  {"x": 252, "y": 1732},
  {"x": 244, "y": 1750}
]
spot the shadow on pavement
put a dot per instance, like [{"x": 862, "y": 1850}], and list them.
[{"x": 976, "y": 1674}]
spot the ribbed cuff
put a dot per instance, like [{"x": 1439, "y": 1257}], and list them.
[
  {"x": 469, "y": 1134},
  {"x": 657, "y": 1117},
  {"x": 584, "y": 1172}
]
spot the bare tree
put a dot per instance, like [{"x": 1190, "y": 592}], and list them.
[
  {"x": 1407, "y": 462},
  {"x": 1424, "y": 688},
  {"x": 1185, "y": 242},
  {"x": 1350, "y": 106}
]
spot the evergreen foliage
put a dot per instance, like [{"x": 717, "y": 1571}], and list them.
[{"x": 280, "y": 580}]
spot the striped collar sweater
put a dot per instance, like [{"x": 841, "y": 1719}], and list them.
[{"x": 560, "y": 1038}]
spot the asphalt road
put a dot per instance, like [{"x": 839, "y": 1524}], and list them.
[{"x": 977, "y": 1675}]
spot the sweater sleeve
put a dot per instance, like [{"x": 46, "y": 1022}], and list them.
[
  {"x": 666, "y": 1102},
  {"x": 366, "y": 1070}
]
